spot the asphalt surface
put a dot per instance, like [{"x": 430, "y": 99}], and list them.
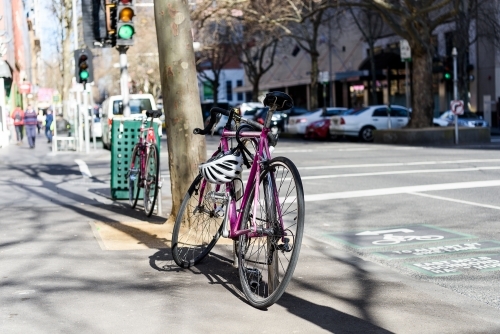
[{"x": 72, "y": 260}]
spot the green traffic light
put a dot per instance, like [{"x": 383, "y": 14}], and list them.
[
  {"x": 126, "y": 31},
  {"x": 447, "y": 76},
  {"x": 84, "y": 75}
]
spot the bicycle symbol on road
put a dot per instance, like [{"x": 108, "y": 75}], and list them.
[{"x": 390, "y": 239}]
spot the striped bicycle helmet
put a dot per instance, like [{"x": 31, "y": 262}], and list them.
[{"x": 223, "y": 168}]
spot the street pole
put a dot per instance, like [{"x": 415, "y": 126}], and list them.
[
  {"x": 330, "y": 81},
  {"x": 86, "y": 118},
  {"x": 124, "y": 80},
  {"x": 454, "y": 53},
  {"x": 407, "y": 84}
]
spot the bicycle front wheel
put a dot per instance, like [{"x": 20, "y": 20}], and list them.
[
  {"x": 134, "y": 176},
  {"x": 197, "y": 226},
  {"x": 267, "y": 261},
  {"x": 151, "y": 180}
]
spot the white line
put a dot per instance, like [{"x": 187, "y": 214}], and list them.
[
  {"x": 401, "y": 190},
  {"x": 458, "y": 201},
  {"x": 416, "y": 163},
  {"x": 84, "y": 169},
  {"x": 414, "y": 171}
]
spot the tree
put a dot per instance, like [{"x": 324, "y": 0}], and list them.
[
  {"x": 416, "y": 21},
  {"x": 370, "y": 25},
  {"x": 62, "y": 11},
  {"x": 214, "y": 53},
  {"x": 180, "y": 96}
]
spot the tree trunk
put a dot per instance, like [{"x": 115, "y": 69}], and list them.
[
  {"x": 181, "y": 98},
  {"x": 314, "y": 81},
  {"x": 373, "y": 74},
  {"x": 255, "y": 89},
  {"x": 423, "y": 111}
]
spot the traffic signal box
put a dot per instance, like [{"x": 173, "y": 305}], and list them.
[
  {"x": 447, "y": 69},
  {"x": 83, "y": 66},
  {"x": 125, "y": 30}
]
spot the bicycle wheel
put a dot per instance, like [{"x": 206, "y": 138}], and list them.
[
  {"x": 151, "y": 179},
  {"x": 134, "y": 176},
  {"x": 197, "y": 226},
  {"x": 267, "y": 261}
]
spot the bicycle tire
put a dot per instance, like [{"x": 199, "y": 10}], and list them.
[
  {"x": 151, "y": 180},
  {"x": 266, "y": 265},
  {"x": 133, "y": 184},
  {"x": 196, "y": 231}
]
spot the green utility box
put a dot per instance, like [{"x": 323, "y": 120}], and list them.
[{"x": 124, "y": 136}]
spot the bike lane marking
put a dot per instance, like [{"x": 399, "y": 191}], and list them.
[
  {"x": 397, "y": 236},
  {"x": 457, "y": 201},
  {"x": 481, "y": 263},
  {"x": 84, "y": 169},
  {"x": 399, "y": 190}
]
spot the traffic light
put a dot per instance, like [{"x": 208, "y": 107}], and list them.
[
  {"x": 125, "y": 12},
  {"x": 448, "y": 69},
  {"x": 83, "y": 66}
]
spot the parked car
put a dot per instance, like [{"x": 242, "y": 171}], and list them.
[
  {"x": 277, "y": 121},
  {"x": 361, "y": 122},
  {"x": 298, "y": 124},
  {"x": 318, "y": 129},
  {"x": 286, "y": 114},
  {"x": 468, "y": 119},
  {"x": 112, "y": 108}
]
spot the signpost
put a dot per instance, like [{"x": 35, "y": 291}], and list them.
[
  {"x": 324, "y": 77},
  {"x": 454, "y": 53},
  {"x": 405, "y": 52}
]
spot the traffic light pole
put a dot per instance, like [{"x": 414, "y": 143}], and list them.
[
  {"x": 86, "y": 118},
  {"x": 455, "y": 90},
  {"x": 124, "y": 80}
]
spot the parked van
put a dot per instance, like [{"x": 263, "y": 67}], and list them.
[{"x": 112, "y": 108}]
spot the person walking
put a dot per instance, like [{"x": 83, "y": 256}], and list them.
[
  {"x": 18, "y": 117},
  {"x": 30, "y": 122},
  {"x": 49, "y": 118}
]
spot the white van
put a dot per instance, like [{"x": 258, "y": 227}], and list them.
[{"x": 112, "y": 108}]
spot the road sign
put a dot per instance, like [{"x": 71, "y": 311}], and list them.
[
  {"x": 324, "y": 76},
  {"x": 457, "y": 107},
  {"x": 25, "y": 88},
  {"x": 405, "y": 50}
]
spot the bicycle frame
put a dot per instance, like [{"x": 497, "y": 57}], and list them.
[
  {"x": 262, "y": 154},
  {"x": 145, "y": 144}
]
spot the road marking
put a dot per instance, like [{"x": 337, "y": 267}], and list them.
[
  {"x": 401, "y": 190},
  {"x": 458, "y": 201},
  {"x": 416, "y": 163},
  {"x": 84, "y": 169},
  {"x": 413, "y": 171}
]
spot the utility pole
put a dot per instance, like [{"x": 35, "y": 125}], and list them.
[
  {"x": 454, "y": 53},
  {"x": 124, "y": 80}
]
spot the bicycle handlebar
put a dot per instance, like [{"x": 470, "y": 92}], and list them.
[{"x": 213, "y": 118}]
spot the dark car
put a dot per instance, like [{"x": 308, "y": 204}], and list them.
[{"x": 277, "y": 120}]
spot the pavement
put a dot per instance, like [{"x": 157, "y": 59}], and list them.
[{"x": 72, "y": 260}]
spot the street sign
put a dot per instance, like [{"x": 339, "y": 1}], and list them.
[
  {"x": 405, "y": 50},
  {"x": 25, "y": 88},
  {"x": 324, "y": 76},
  {"x": 457, "y": 107}
]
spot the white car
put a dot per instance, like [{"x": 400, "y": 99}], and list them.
[
  {"x": 298, "y": 124},
  {"x": 361, "y": 123},
  {"x": 112, "y": 108},
  {"x": 468, "y": 119}
]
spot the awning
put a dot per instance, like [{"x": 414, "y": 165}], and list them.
[
  {"x": 4, "y": 69},
  {"x": 350, "y": 75}
]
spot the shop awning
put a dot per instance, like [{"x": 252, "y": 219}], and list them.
[{"x": 350, "y": 75}]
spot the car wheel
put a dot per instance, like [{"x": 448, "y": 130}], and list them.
[{"x": 366, "y": 134}]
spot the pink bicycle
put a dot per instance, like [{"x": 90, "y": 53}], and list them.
[
  {"x": 265, "y": 221},
  {"x": 144, "y": 167}
]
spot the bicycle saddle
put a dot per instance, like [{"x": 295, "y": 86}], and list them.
[
  {"x": 281, "y": 100},
  {"x": 153, "y": 113}
]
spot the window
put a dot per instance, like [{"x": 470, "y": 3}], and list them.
[
  {"x": 239, "y": 96},
  {"x": 380, "y": 112},
  {"x": 398, "y": 112},
  {"x": 136, "y": 106},
  {"x": 229, "y": 90}
]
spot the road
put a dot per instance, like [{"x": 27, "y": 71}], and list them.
[{"x": 398, "y": 240}]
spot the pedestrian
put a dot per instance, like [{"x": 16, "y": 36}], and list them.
[
  {"x": 40, "y": 119},
  {"x": 49, "y": 118},
  {"x": 18, "y": 117},
  {"x": 30, "y": 122}
]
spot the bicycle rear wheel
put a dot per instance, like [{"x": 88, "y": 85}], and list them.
[
  {"x": 151, "y": 180},
  {"x": 197, "y": 226},
  {"x": 267, "y": 262},
  {"x": 134, "y": 176}
]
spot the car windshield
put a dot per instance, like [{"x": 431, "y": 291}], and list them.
[{"x": 136, "y": 106}]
